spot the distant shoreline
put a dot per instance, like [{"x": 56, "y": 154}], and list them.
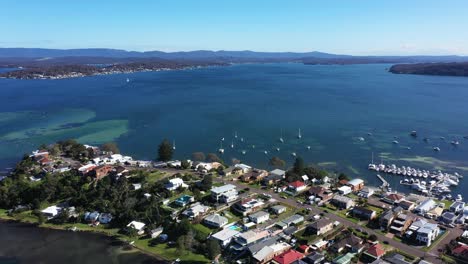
[{"x": 437, "y": 69}]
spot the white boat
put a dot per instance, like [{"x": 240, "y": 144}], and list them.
[
  {"x": 242, "y": 139},
  {"x": 281, "y": 137},
  {"x": 277, "y": 149},
  {"x": 232, "y": 144},
  {"x": 253, "y": 146},
  {"x": 459, "y": 198},
  {"x": 173, "y": 145},
  {"x": 395, "y": 142},
  {"x": 436, "y": 149},
  {"x": 361, "y": 139},
  {"x": 222, "y": 139},
  {"x": 221, "y": 150},
  {"x": 308, "y": 147},
  {"x": 128, "y": 80},
  {"x": 235, "y": 134},
  {"x": 294, "y": 154},
  {"x": 299, "y": 135},
  {"x": 266, "y": 152},
  {"x": 455, "y": 143},
  {"x": 243, "y": 152}
]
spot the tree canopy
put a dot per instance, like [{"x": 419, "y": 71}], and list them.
[
  {"x": 110, "y": 147},
  {"x": 277, "y": 162},
  {"x": 165, "y": 151},
  {"x": 198, "y": 156}
]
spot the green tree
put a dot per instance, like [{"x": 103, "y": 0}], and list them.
[
  {"x": 299, "y": 166},
  {"x": 212, "y": 157},
  {"x": 213, "y": 249},
  {"x": 343, "y": 176},
  {"x": 165, "y": 151},
  {"x": 185, "y": 164},
  {"x": 277, "y": 162},
  {"x": 198, "y": 156},
  {"x": 373, "y": 237},
  {"x": 110, "y": 147},
  {"x": 207, "y": 182}
]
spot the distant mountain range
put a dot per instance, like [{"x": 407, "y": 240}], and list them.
[{"x": 313, "y": 57}]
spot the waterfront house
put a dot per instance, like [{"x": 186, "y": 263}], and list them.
[
  {"x": 321, "y": 192},
  {"x": 393, "y": 198},
  {"x": 51, "y": 211},
  {"x": 425, "y": 206},
  {"x": 245, "y": 168},
  {"x": 225, "y": 236},
  {"x": 342, "y": 202},
  {"x": 350, "y": 242},
  {"x": 288, "y": 257},
  {"x": 175, "y": 184},
  {"x": 366, "y": 192},
  {"x": 356, "y": 184},
  {"x": 320, "y": 227},
  {"x": 105, "y": 218},
  {"x": 215, "y": 220},
  {"x": 248, "y": 205},
  {"x": 259, "y": 217},
  {"x": 435, "y": 213},
  {"x": 343, "y": 190},
  {"x": 100, "y": 172},
  {"x": 448, "y": 218},
  {"x": 85, "y": 169},
  {"x": 196, "y": 210},
  {"x": 297, "y": 186},
  {"x": 363, "y": 213},
  {"x": 138, "y": 226},
  {"x": 272, "y": 179},
  {"x": 457, "y": 207},
  {"x": 91, "y": 217},
  {"x": 407, "y": 205},
  {"x": 154, "y": 233},
  {"x": 224, "y": 194},
  {"x": 278, "y": 172},
  {"x": 255, "y": 175},
  {"x": 278, "y": 209}
]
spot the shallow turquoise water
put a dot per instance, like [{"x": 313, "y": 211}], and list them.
[{"x": 332, "y": 105}]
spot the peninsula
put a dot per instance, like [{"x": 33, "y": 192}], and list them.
[
  {"x": 201, "y": 209},
  {"x": 442, "y": 69}
]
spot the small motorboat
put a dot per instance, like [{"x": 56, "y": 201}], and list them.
[{"x": 436, "y": 149}]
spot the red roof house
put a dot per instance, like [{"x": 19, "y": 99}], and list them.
[
  {"x": 288, "y": 257},
  {"x": 376, "y": 251},
  {"x": 297, "y": 186}
]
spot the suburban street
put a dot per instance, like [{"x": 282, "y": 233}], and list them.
[{"x": 431, "y": 255}]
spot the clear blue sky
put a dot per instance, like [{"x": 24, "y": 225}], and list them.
[{"x": 361, "y": 27}]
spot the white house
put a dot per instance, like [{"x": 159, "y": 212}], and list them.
[
  {"x": 278, "y": 209},
  {"x": 51, "y": 211},
  {"x": 366, "y": 192},
  {"x": 427, "y": 233},
  {"x": 175, "y": 183},
  {"x": 216, "y": 220},
  {"x": 297, "y": 186},
  {"x": 344, "y": 190},
  {"x": 259, "y": 217},
  {"x": 425, "y": 206},
  {"x": 195, "y": 210},
  {"x": 457, "y": 207},
  {"x": 138, "y": 226},
  {"x": 224, "y": 194},
  {"x": 225, "y": 236},
  {"x": 245, "y": 168}
]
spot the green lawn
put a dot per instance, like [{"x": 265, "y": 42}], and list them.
[
  {"x": 203, "y": 229},
  {"x": 155, "y": 176},
  {"x": 170, "y": 253},
  {"x": 445, "y": 202}
]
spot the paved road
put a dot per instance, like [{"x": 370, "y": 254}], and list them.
[{"x": 430, "y": 256}]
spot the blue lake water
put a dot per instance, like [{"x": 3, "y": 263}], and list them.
[{"x": 332, "y": 105}]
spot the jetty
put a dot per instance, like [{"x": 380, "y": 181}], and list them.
[{"x": 385, "y": 184}]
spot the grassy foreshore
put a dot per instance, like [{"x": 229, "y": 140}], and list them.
[{"x": 160, "y": 252}]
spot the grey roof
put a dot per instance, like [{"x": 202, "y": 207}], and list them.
[
  {"x": 293, "y": 219},
  {"x": 397, "y": 259},
  {"x": 278, "y": 207},
  {"x": 223, "y": 189},
  {"x": 259, "y": 214},
  {"x": 225, "y": 234},
  {"x": 216, "y": 218},
  {"x": 342, "y": 199},
  {"x": 321, "y": 223},
  {"x": 265, "y": 243}
]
